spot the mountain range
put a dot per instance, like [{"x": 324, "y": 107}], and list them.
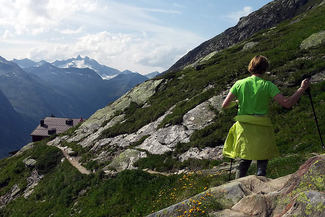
[
  {"x": 103, "y": 71},
  {"x": 39, "y": 89},
  {"x": 157, "y": 150}
]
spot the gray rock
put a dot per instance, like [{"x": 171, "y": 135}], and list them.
[
  {"x": 15, "y": 190},
  {"x": 105, "y": 149},
  {"x": 199, "y": 117},
  {"x": 206, "y": 153},
  {"x": 209, "y": 56},
  {"x": 100, "y": 144},
  {"x": 154, "y": 147},
  {"x": 228, "y": 213},
  {"x": 216, "y": 101},
  {"x": 197, "y": 62},
  {"x": 210, "y": 86},
  {"x": 120, "y": 141},
  {"x": 249, "y": 45},
  {"x": 318, "y": 77},
  {"x": 314, "y": 40},
  {"x": 263, "y": 185},
  {"x": 55, "y": 142},
  {"x": 9, "y": 196},
  {"x": 252, "y": 205},
  {"x": 80, "y": 134},
  {"x": 65, "y": 137},
  {"x": 105, "y": 156},
  {"x": 308, "y": 203},
  {"x": 165, "y": 139},
  {"x": 191, "y": 153},
  {"x": 32, "y": 182},
  {"x": 110, "y": 173},
  {"x": 211, "y": 153},
  {"x": 89, "y": 140},
  {"x": 126, "y": 160},
  {"x": 227, "y": 195},
  {"x": 70, "y": 152},
  {"x": 29, "y": 162}
]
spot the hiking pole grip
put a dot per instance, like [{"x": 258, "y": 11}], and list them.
[{"x": 315, "y": 117}]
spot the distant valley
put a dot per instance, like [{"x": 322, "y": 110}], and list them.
[{"x": 76, "y": 87}]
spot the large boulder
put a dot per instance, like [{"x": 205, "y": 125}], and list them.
[
  {"x": 299, "y": 194},
  {"x": 126, "y": 160},
  {"x": 249, "y": 45},
  {"x": 314, "y": 40},
  {"x": 206, "y": 153},
  {"x": 165, "y": 139},
  {"x": 199, "y": 117},
  {"x": 29, "y": 162}
]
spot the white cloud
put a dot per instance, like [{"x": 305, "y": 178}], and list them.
[
  {"x": 123, "y": 51},
  {"x": 6, "y": 35},
  {"x": 71, "y": 31},
  {"x": 38, "y": 16},
  {"x": 235, "y": 16},
  {"x": 116, "y": 34}
]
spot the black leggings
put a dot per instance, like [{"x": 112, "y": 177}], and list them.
[{"x": 245, "y": 164}]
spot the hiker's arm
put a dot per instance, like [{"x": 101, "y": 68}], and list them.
[
  {"x": 288, "y": 102},
  {"x": 228, "y": 102}
]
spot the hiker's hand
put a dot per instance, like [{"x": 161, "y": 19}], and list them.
[{"x": 305, "y": 84}]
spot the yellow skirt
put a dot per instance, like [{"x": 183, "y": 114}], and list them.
[{"x": 251, "y": 138}]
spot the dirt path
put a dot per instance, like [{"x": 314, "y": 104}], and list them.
[{"x": 74, "y": 162}]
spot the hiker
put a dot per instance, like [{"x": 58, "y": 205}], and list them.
[{"x": 252, "y": 137}]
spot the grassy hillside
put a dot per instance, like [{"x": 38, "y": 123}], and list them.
[{"x": 64, "y": 191}]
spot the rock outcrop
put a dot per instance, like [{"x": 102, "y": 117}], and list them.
[
  {"x": 10, "y": 195},
  {"x": 16, "y": 191},
  {"x": 314, "y": 40},
  {"x": 298, "y": 194},
  {"x": 206, "y": 153},
  {"x": 126, "y": 160},
  {"x": 32, "y": 182},
  {"x": 152, "y": 138}
]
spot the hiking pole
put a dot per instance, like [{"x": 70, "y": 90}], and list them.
[
  {"x": 315, "y": 117},
  {"x": 230, "y": 168}
]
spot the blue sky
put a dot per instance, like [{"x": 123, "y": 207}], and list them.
[{"x": 139, "y": 35}]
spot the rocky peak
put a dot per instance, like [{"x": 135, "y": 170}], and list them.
[
  {"x": 79, "y": 57},
  {"x": 266, "y": 17}
]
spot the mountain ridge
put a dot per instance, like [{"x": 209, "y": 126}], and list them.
[{"x": 264, "y": 18}]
